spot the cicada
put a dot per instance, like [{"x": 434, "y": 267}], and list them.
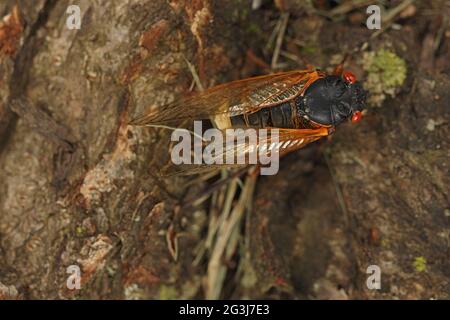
[{"x": 302, "y": 106}]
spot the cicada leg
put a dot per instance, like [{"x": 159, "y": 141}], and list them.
[
  {"x": 339, "y": 69},
  {"x": 347, "y": 75}
]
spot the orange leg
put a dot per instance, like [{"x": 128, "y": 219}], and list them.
[
  {"x": 339, "y": 69},
  {"x": 347, "y": 75}
]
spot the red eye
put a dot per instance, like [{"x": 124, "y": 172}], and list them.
[
  {"x": 349, "y": 77},
  {"x": 357, "y": 115}
]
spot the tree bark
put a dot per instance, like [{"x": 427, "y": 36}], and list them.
[{"x": 77, "y": 184}]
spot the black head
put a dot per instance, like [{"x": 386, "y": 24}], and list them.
[{"x": 333, "y": 99}]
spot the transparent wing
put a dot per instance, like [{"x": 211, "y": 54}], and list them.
[
  {"x": 277, "y": 140},
  {"x": 233, "y": 98}
]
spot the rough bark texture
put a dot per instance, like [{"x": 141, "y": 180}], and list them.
[{"x": 78, "y": 186}]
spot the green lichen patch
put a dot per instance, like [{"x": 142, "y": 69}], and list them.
[
  {"x": 168, "y": 292},
  {"x": 420, "y": 264},
  {"x": 386, "y": 73}
]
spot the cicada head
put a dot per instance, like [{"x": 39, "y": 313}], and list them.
[{"x": 333, "y": 99}]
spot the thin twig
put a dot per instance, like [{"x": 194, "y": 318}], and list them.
[
  {"x": 194, "y": 74},
  {"x": 389, "y": 17},
  {"x": 280, "y": 36},
  {"x": 339, "y": 195},
  {"x": 272, "y": 37},
  {"x": 226, "y": 241},
  {"x": 440, "y": 33}
]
